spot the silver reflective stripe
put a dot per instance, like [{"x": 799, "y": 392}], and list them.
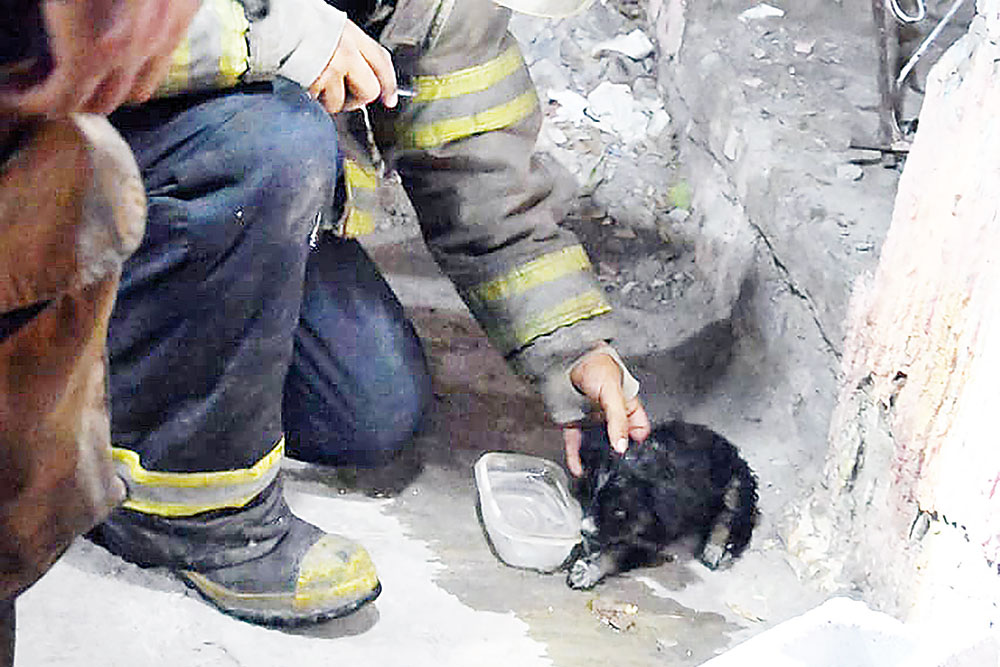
[{"x": 175, "y": 494}]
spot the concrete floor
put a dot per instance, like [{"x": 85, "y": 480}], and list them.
[{"x": 447, "y": 600}]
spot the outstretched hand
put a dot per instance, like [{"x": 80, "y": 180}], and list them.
[
  {"x": 599, "y": 377},
  {"x": 359, "y": 72},
  {"x": 105, "y": 52}
]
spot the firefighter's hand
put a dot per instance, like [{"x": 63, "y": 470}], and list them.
[
  {"x": 359, "y": 72},
  {"x": 105, "y": 52},
  {"x": 599, "y": 378}
]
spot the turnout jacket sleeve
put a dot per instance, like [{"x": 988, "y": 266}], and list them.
[
  {"x": 489, "y": 209},
  {"x": 226, "y": 45}
]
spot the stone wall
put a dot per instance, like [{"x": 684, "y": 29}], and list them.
[{"x": 907, "y": 510}]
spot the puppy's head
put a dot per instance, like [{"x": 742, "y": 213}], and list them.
[
  {"x": 619, "y": 508},
  {"x": 622, "y": 511}
]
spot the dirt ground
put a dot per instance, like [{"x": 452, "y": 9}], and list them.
[{"x": 726, "y": 230}]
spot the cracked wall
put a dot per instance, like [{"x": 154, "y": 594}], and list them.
[{"x": 908, "y": 510}]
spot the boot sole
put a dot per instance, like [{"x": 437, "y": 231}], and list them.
[{"x": 278, "y": 618}]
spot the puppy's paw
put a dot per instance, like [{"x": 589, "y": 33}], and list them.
[
  {"x": 713, "y": 555},
  {"x": 585, "y": 572}
]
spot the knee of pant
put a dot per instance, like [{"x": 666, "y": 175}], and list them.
[
  {"x": 395, "y": 416},
  {"x": 295, "y": 151},
  {"x": 268, "y": 168},
  {"x": 368, "y": 426}
]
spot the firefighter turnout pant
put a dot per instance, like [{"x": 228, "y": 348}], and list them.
[{"x": 239, "y": 334}]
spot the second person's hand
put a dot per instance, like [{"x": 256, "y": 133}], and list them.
[{"x": 359, "y": 72}]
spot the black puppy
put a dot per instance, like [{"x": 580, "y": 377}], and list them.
[{"x": 684, "y": 480}]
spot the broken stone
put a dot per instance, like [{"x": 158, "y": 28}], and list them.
[
  {"x": 571, "y": 106},
  {"x": 850, "y": 172},
  {"x": 607, "y": 270},
  {"x": 731, "y": 147},
  {"x": 805, "y": 47},
  {"x": 658, "y": 123},
  {"x": 679, "y": 215},
  {"x": 636, "y": 45},
  {"x": 646, "y": 270},
  {"x": 761, "y": 11},
  {"x": 615, "y": 110}
]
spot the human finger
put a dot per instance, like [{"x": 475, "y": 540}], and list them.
[
  {"x": 572, "y": 440},
  {"x": 380, "y": 61},
  {"x": 362, "y": 86},
  {"x": 612, "y": 402},
  {"x": 639, "y": 425},
  {"x": 333, "y": 95}
]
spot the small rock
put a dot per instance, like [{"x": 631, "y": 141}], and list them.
[
  {"x": 555, "y": 135},
  {"x": 753, "y": 82},
  {"x": 624, "y": 233},
  {"x": 850, "y": 172},
  {"x": 658, "y": 123},
  {"x": 761, "y": 11},
  {"x": 679, "y": 215},
  {"x": 636, "y": 45},
  {"x": 759, "y": 53},
  {"x": 606, "y": 269},
  {"x": 731, "y": 148},
  {"x": 867, "y": 246},
  {"x": 805, "y": 47},
  {"x": 647, "y": 269}
]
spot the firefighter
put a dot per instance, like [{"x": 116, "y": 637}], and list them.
[{"x": 250, "y": 324}]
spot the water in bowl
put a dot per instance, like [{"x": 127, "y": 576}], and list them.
[{"x": 531, "y": 502}]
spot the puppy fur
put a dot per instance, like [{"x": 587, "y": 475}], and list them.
[{"x": 685, "y": 480}]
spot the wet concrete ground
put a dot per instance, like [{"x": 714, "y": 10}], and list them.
[{"x": 447, "y": 600}]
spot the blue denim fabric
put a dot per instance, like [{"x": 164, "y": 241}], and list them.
[
  {"x": 358, "y": 385},
  {"x": 225, "y": 298}
]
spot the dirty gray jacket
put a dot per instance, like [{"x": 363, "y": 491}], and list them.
[{"x": 463, "y": 146}]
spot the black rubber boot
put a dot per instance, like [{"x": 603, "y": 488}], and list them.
[{"x": 259, "y": 563}]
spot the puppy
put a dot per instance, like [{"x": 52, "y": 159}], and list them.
[{"x": 684, "y": 480}]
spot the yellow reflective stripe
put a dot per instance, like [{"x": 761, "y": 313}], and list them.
[
  {"x": 471, "y": 80},
  {"x": 185, "y": 509},
  {"x": 536, "y": 272},
  {"x": 175, "y": 494},
  {"x": 358, "y": 176},
  {"x": 431, "y": 135},
  {"x": 358, "y": 223},
  {"x": 361, "y": 183},
  {"x": 235, "y": 51},
  {"x": 180, "y": 67},
  {"x": 587, "y": 305},
  {"x": 196, "y": 480}
]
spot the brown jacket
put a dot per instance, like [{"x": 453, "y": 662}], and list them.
[{"x": 72, "y": 209}]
